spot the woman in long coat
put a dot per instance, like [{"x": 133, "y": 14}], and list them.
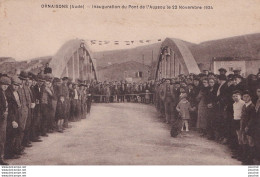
[
  {"x": 211, "y": 100},
  {"x": 203, "y": 107}
]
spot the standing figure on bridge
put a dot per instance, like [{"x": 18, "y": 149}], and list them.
[
  {"x": 65, "y": 93},
  {"x": 60, "y": 113},
  {"x": 107, "y": 93},
  {"x": 25, "y": 108},
  {"x": 89, "y": 99},
  {"x": 161, "y": 101},
  {"x": 47, "y": 69},
  {"x": 184, "y": 108},
  {"x": 46, "y": 107},
  {"x": 169, "y": 99},
  {"x": 82, "y": 93}
]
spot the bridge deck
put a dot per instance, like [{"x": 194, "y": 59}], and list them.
[{"x": 124, "y": 134}]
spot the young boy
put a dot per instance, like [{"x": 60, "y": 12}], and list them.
[
  {"x": 60, "y": 113},
  {"x": 237, "y": 113},
  {"x": 248, "y": 119}
]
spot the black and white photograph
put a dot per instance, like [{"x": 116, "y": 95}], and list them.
[{"x": 126, "y": 83}]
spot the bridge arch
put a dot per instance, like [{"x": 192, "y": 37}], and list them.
[
  {"x": 174, "y": 59},
  {"x": 74, "y": 59}
]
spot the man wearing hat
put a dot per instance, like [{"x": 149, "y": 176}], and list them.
[
  {"x": 14, "y": 120},
  {"x": 31, "y": 99},
  {"x": 161, "y": 101},
  {"x": 65, "y": 93},
  {"x": 221, "y": 104},
  {"x": 56, "y": 86},
  {"x": 82, "y": 93},
  {"x": 36, "y": 124},
  {"x": 36, "y": 112},
  {"x": 206, "y": 72},
  {"x": 46, "y": 97},
  {"x": 237, "y": 72},
  {"x": 47, "y": 69},
  {"x": 25, "y": 93},
  {"x": 89, "y": 93},
  {"x": 75, "y": 99},
  {"x": 4, "y": 83},
  {"x": 239, "y": 83},
  {"x": 222, "y": 71},
  {"x": 25, "y": 99},
  {"x": 169, "y": 99},
  {"x": 156, "y": 96}
]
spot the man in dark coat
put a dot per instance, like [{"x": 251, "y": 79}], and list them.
[
  {"x": 257, "y": 125},
  {"x": 248, "y": 121},
  {"x": 46, "y": 107},
  {"x": 31, "y": 105},
  {"x": 14, "y": 124},
  {"x": 89, "y": 98},
  {"x": 4, "y": 83},
  {"x": 169, "y": 98},
  {"x": 36, "y": 123},
  {"x": 65, "y": 93},
  {"x": 25, "y": 108},
  {"x": 222, "y": 71},
  {"x": 221, "y": 121},
  {"x": 47, "y": 69}
]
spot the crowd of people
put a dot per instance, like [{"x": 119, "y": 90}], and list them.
[
  {"x": 123, "y": 91},
  {"x": 223, "y": 108},
  {"x": 32, "y": 106}
]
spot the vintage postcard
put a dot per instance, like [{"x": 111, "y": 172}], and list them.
[{"x": 134, "y": 82}]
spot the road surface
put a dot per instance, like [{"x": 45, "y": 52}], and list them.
[{"x": 124, "y": 134}]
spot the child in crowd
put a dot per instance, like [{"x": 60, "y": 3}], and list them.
[
  {"x": 184, "y": 109},
  {"x": 60, "y": 113}
]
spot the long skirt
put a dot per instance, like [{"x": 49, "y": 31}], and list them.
[{"x": 202, "y": 117}]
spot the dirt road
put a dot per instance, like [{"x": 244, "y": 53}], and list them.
[{"x": 124, "y": 134}]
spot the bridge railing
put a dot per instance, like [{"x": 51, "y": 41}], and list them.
[{"x": 134, "y": 97}]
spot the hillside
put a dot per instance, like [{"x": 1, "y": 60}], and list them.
[
  {"x": 149, "y": 52},
  {"x": 10, "y": 65}
]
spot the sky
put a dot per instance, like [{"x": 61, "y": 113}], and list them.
[{"x": 28, "y": 31}]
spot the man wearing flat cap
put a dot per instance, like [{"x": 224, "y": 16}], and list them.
[
  {"x": 4, "y": 83},
  {"x": 14, "y": 120}
]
